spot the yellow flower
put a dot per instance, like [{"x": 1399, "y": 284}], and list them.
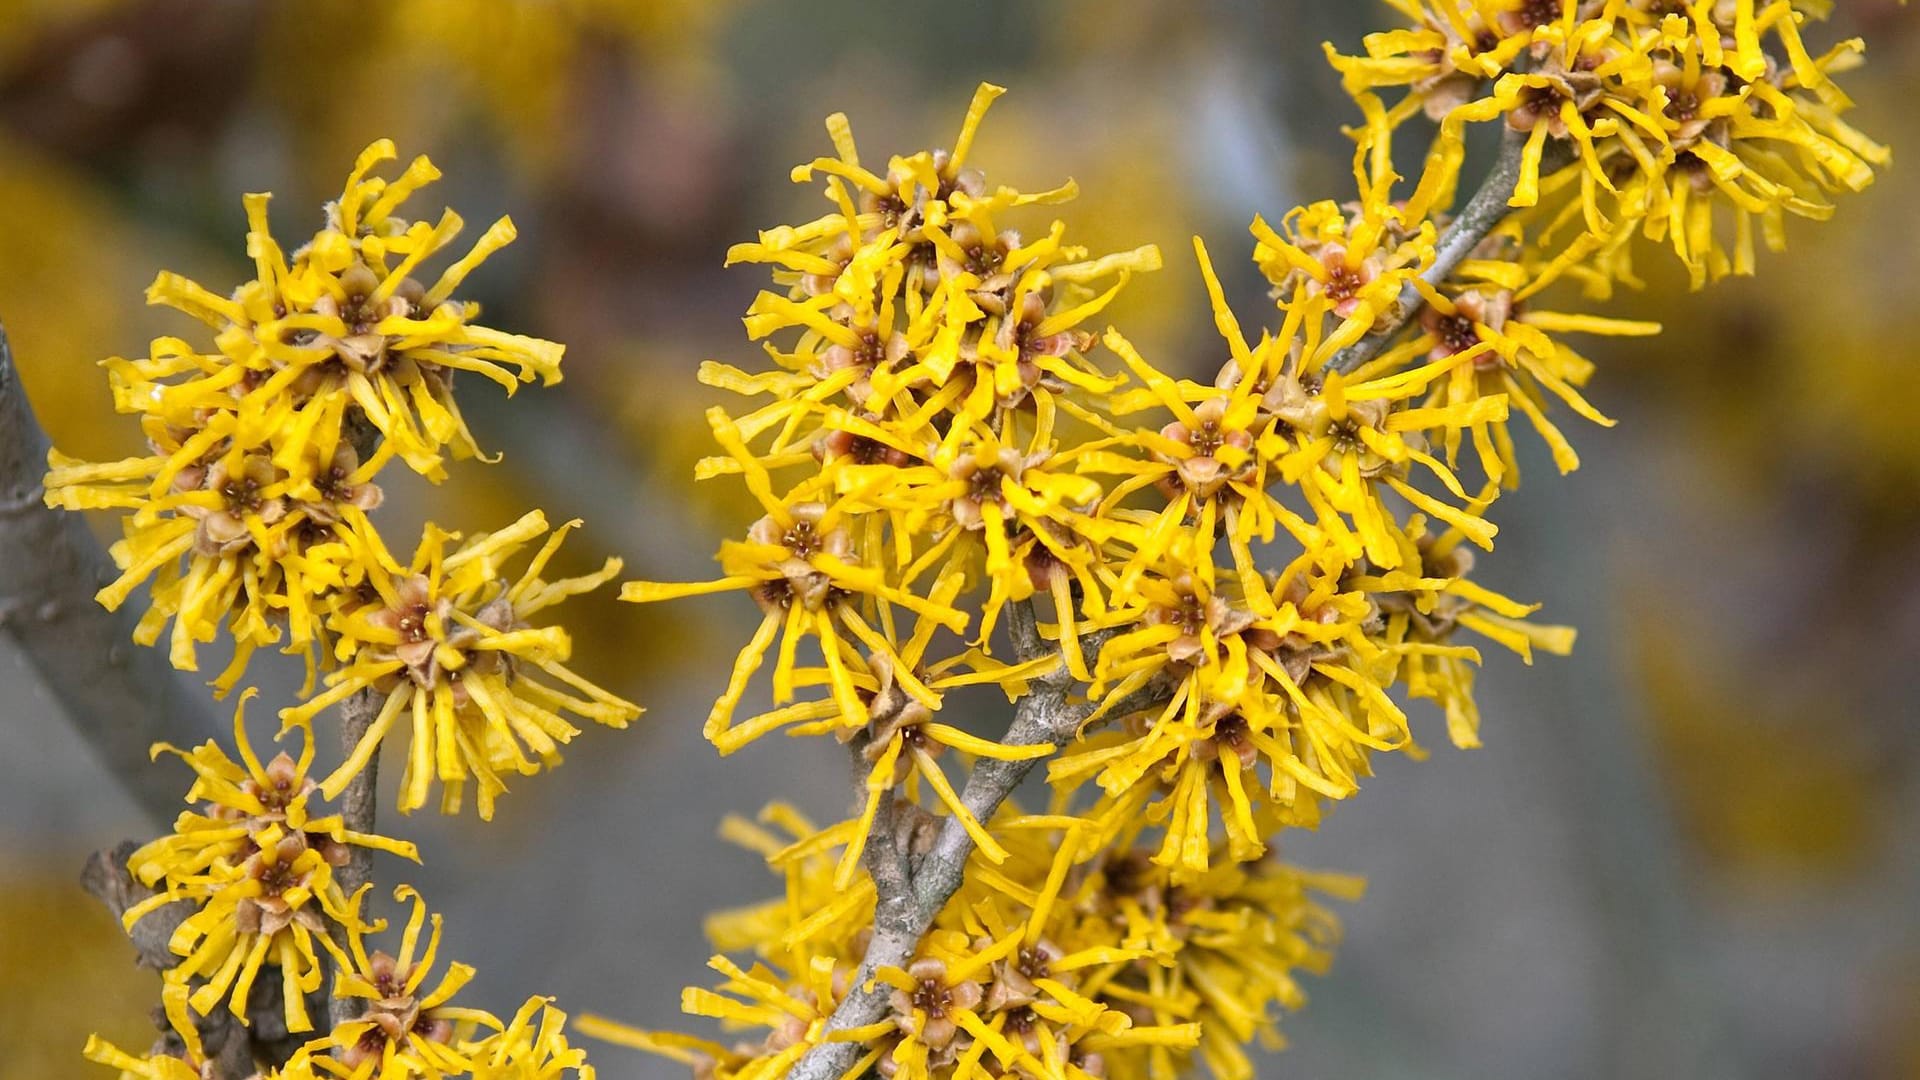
[
  {"x": 446, "y": 644},
  {"x": 1501, "y": 346},
  {"x": 1020, "y": 975},
  {"x": 1426, "y": 601},
  {"x": 1216, "y": 463},
  {"x": 810, "y": 567},
  {"x": 345, "y": 324},
  {"x": 1021, "y": 503},
  {"x": 1676, "y": 115},
  {"x": 1442, "y": 59},
  {"x": 270, "y": 908},
  {"x": 251, "y": 507},
  {"x": 923, "y": 336},
  {"x": 1255, "y": 708},
  {"x": 238, "y": 539},
  {"x": 405, "y": 1029},
  {"x": 242, "y": 800},
  {"x": 1353, "y": 442},
  {"x": 1336, "y": 270},
  {"x": 258, "y": 865},
  {"x": 904, "y": 739},
  {"x": 532, "y": 1046},
  {"x": 1232, "y": 940}
]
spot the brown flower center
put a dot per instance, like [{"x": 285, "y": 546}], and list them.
[
  {"x": 1683, "y": 105},
  {"x": 1343, "y": 283},
  {"x": 332, "y": 484},
  {"x": 1207, "y": 438},
  {"x": 1457, "y": 334},
  {"x": 412, "y": 623},
  {"x": 1190, "y": 614},
  {"x": 1033, "y": 963},
  {"x": 1542, "y": 102},
  {"x": 775, "y": 594},
  {"x": 242, "y": 495},
  {"x": 933, "y": 997},
  {"x": 803, "y": 539},
  {"x": 277, "y": 878},
  {"x": 984, "y": 484},
  {"x": 871, "y": 350},
  {"x": 1538, "y": 12}
]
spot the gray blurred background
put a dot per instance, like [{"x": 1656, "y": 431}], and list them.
[{"x": 1686, "y": 850}]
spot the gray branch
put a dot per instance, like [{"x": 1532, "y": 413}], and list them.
[
  {"x": 120, "y": 698},
  {"x": 1474, "y": 222},
  {"x": 909, "y": 902},
  {"x": 357, "y": 803},
  {"x": 234, "y": 1050}
]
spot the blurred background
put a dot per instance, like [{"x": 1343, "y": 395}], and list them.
[{"x": 1687, "y": 850}]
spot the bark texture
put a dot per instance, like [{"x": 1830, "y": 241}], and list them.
[{"x": 121, "y": 697}]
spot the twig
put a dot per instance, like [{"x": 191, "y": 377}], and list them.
[
  {"x": 909, "y": 902},
  {"x": 357, "y": 802},
  {"x": 227, "y": 1043},
  {"x": 1483, "y": 212},
  {"x": 899, "y": 922},
  {"x": 121, "y": 698}
]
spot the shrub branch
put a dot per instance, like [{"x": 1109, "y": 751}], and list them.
[
  {"x": 1474, "y": 222},
  {"x": 912, "y": 892},
  {"x": 121, "y": 698}
]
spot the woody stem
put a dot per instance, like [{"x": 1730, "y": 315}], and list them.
[
  {"x": 121, "y": 698},
  {"x": 1482, "y": 213},
  {"x": 910, "y": 896},
  {"x": 357, "y": 714}
]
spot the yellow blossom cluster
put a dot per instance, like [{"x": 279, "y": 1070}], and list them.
[
  {"x": 258, "y": 866},
  {"x": 1229, "y": 586},
  {"x": 446, "y": 644},
  {"x": 251, "y": 509},
  {"x": 250, "y": 513},
  {"x": 1060, "y": 961},
  {"x": 1684, "y": 115},
  {"x": 404, "y": 1022},
  {"x": 408, "y": 1028}
]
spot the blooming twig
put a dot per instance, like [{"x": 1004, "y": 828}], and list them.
[
  {"x": 233, "y": 1046},
  {"x": 251, "y": 517},
  {"x": 1489, "y": 206},
  {"x": 909, "y": 902},
  {"x": 121, "y": 699}
]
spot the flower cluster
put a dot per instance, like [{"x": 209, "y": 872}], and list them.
[
  {"x": 257, "y": 865},
  {"x": 930, "y": 353},
  {"x": 446, "y": 644},
  {"x": 408, "y": 1028},
  {"x": 403, "y": 1025},
  {"x": 251, "y": 513},
  {"x": 251, "y": 509},
  {"x": 1053, "y": 963},
  {"x": 1679, "y": 113},
  {"x": 1224, "y": 588}
]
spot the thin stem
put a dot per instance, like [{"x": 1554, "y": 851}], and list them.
[
  {"x": 226, "y": 1040},
  {"x": 357, "y": 802},
  {"x": 1488, "y": 207},
  {"x": 908, "y": 903},
  {"x": 121, "y": 698}
]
